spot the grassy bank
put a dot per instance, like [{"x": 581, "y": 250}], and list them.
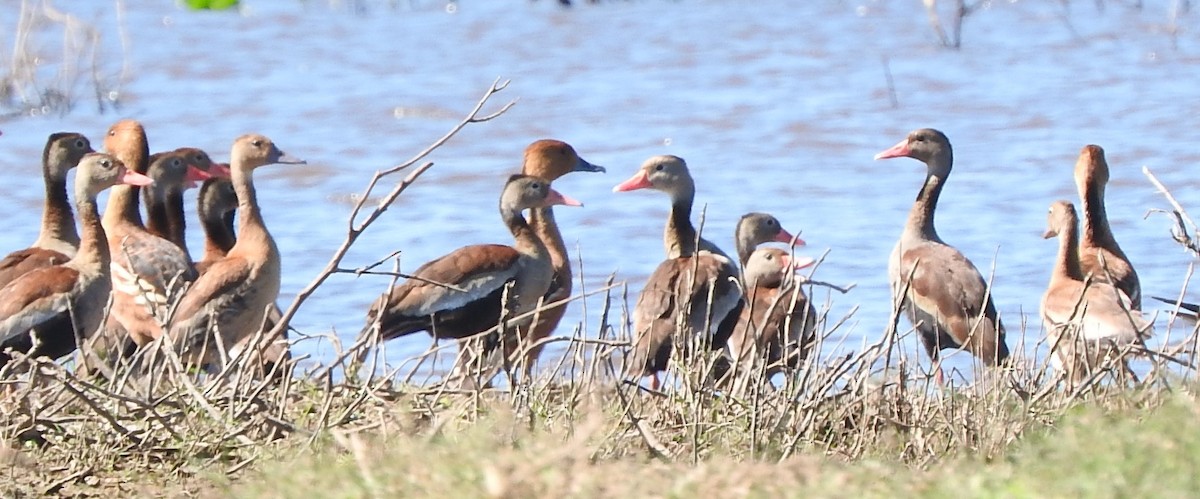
[{"x": 1093, "y": 450}]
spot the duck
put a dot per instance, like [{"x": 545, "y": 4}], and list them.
[
  {"x": 1085, "y": 319},
  {"x": 1099, "y": 254},
  {"x": 216, "y": 204},
  {"x": 678, "y": 290},
  {"x": 548, "y": 159},
  {"x": 173, "y": 172},
  {"x": 756, "y": 228},
  {"x": 149, "y": 272},
  {"x": 225, "y": 307},
  {"x": 940, "y": 290},
  {"x": 44, "y": 311},
  {"x": 771, "y": 326},
  {"x": 58, "y": 239},
  {"x": 461, "y": 294}
]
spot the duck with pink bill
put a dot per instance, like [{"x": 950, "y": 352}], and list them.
[
  {"x": 45, "y": 310},
  {"x": 173, "y": 172},
  {"x": 754, "y": 229},
  {"x": 696, "y": 288},
  {"x": 778, "y": 323},
  {"x": 940, "y": 290},
  {"x": 462, "y": 294}
]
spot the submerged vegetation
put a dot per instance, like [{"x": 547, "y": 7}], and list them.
[{"x": 866, "y": 422}]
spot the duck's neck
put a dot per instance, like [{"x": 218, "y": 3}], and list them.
[
  {"x": 157, "y": 219},
  {"x": 176, "y": 225},
  {"x": 58, "y": 223},
  {"x": 680, "y": 235},
  {"x": 527, "y": 241},
  {"x": 251, "y": 229},
  {"x": 546, "y": 228},
  {"x": 1066, "y": 265},
  {"x": 745, "y": 247},
  {"x": 93, "y": 246},
  {"x": 1096, "y": 231},
  {"x": 218, "y": 234},
  {"x": 920, "y": 217},
  {"x": 123, "y": 199}
]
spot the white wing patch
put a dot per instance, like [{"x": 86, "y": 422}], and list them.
[
  {"x": 475, "y": 288},
  {"x": 35, "y": 314},
  {"x": 143, "y": 292}
]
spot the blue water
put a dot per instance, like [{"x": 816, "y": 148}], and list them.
[{"x": 777, "y": 106}]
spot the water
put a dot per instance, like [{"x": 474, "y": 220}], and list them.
[{"x": 777, "y": 106}]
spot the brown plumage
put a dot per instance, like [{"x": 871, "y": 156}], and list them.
[
  {"x": 550, "y": 160},
  {"x": 763, "y": 329},
  {"x": 229, "y": 303},
  {"x": 778, "y": 322},
  {"x": 677, "y": 292},
  {"x": 479, "y": 272},
  {"x": 44, "y": 311},
  {"x": 1097, "y": 243},
  {"x": 57, "y": 240},
  {"x": 217, "y": 204},
  {"x": 946, "y": 298},
  {"x": 1085, "y": 321},
  {"x": 148, "y": 272}
]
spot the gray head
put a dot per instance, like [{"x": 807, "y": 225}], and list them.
[
  {"x": 522, "y": 192},
  {"x": 251, "y": 151},
  {"x": 63, "y": 151},
  {"x": 217, "y": 199},
  {"x": 757, "y": 228},
  {"x": 1061, "y": 219},
  {"x": 662, "y": 173},
  {"x": 99, "y": 171},
  {"x": 927, "y": 145}
]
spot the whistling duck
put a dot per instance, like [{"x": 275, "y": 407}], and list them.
[
  {"x": 771, "y": 326},
  {"x": 230, "y": 301},
  {"x": 172, "y": 172},
  {"x": 946, "y": 299},
  {"x": 754, "y": 229},
  {"x": 44, "y": 311},
  {"x": 683, "y": 283},
  {"x": 479, "y": 274},
  {"x": 1094, "y": 316},
  {"x": 148, "y": 272},
  {"x": 1098, "y": 244},
  {"x": 550, "y": 160},
  {"x": 217, "y": 205},
  {"x": 58, "y": 239}
]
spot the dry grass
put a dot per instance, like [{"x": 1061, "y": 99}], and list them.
[{"x": 864, "y": 422}]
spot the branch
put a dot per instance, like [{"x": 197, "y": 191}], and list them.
[
  {"x": 353, "y": 230},
  {"x": 1179, "y": 232}
]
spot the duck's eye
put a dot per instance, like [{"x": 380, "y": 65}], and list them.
[
  {"x": 659, "y": 168},
  {"x": 79, "y": 144},
  {"x": 257, "y": 143},
  {"x": 771, "y": 223},
  {"x": 535, "y": 185},
  {"x": 176, "y": 162},
  {"x": 112, "y": 133},
  {"x": 106, "y": 163}
]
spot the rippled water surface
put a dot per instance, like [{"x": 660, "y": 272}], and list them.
[{"x": 777, "y": 106}]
